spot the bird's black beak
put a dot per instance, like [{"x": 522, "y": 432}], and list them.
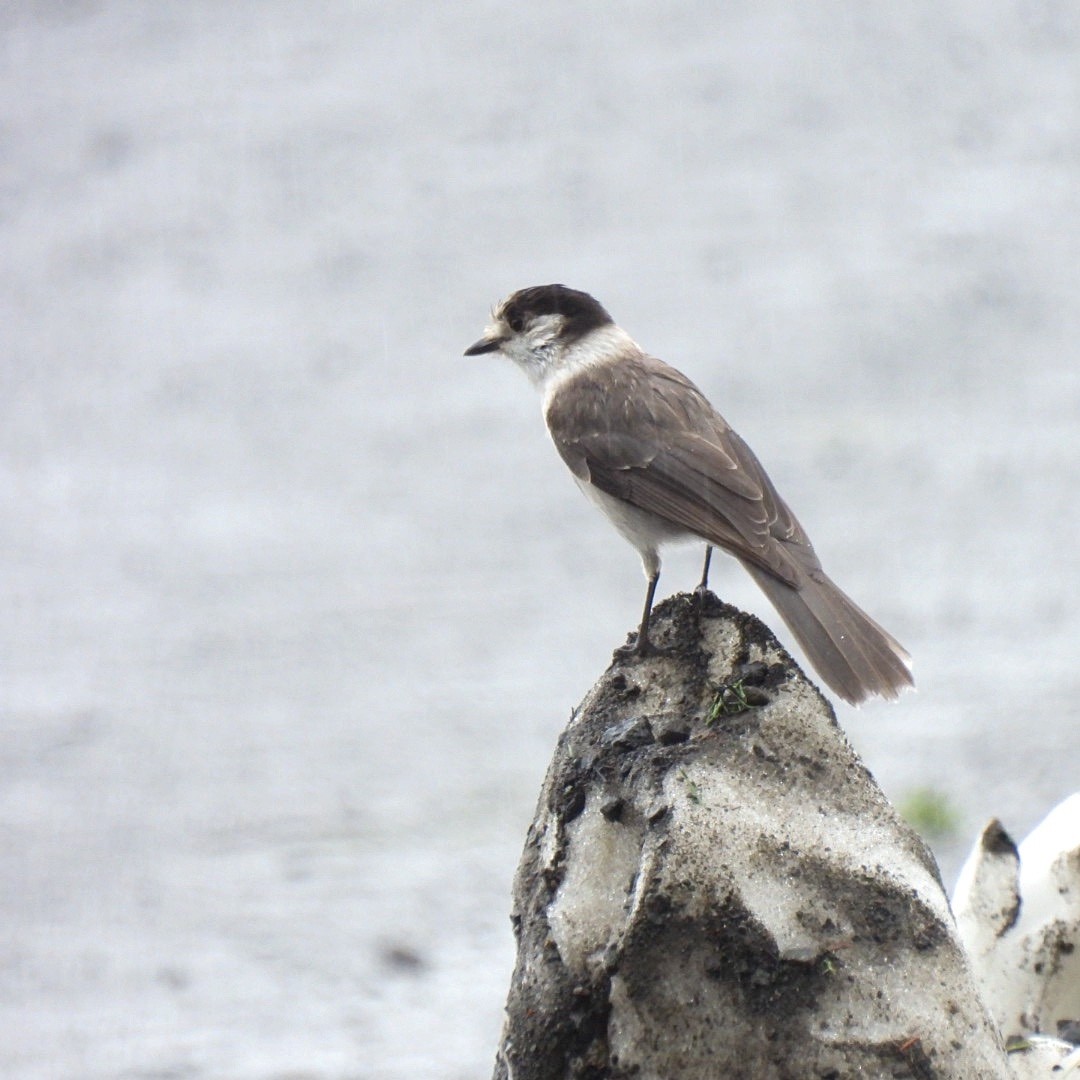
[{"x": 485, "y": 344}]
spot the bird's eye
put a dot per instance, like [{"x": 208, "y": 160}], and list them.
[{"x": 516, "y": 321}]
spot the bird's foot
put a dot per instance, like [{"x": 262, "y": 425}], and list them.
[
  {"x": 639, "y": 650},
  {"x": 630, "y": 651}
]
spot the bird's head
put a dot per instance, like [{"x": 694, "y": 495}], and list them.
[{"x": 536, "y": 327}]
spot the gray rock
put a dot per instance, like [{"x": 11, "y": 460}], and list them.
[
  {"x": 1018, "y": 913},
  {"x": 737, "y": 901}
]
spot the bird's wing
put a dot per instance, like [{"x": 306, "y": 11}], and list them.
[{"x": 641, "y": 431}]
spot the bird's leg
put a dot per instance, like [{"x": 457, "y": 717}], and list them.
[
  {"x": 703, "y": 585},
  {"x": 643, "y": 646}
]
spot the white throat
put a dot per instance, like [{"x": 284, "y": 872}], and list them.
[{"x": 604, "y": 345}]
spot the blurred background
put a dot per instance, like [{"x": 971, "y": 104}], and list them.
[{"x": 296, "y": 599}]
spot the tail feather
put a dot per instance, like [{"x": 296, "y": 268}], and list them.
[{"x": 855, "y": 657}]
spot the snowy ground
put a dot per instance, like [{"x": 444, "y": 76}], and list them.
[{"x": 297, "y": 599}]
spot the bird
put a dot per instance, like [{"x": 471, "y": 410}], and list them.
[{"x": 646, "y": 446}]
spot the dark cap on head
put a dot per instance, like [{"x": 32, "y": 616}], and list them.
[{"x": 579, "y": 310}]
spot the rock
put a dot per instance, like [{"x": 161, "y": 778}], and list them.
[
  {"x": 737, "y": 901},
  {"x": 1018, "y": 912}
]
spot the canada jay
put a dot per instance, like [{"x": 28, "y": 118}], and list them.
[{"x": 663, "y": 464}]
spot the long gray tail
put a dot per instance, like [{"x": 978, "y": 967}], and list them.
[{"x": 855, "y": 656}]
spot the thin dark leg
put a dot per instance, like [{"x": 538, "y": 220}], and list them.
[
  {"x": 705, "y": 571},
  {"x": 643, "y": 646}
]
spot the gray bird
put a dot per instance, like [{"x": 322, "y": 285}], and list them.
[{"x": 645, "y": 445}]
